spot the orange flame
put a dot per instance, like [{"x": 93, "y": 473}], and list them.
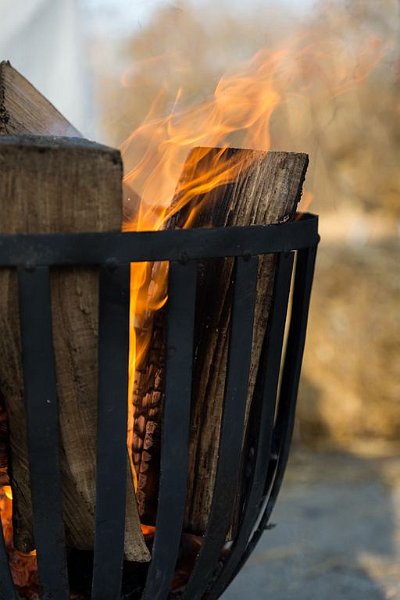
[
  {"x": 240, "y": 110},
  {"x": 23, "y": 565}
]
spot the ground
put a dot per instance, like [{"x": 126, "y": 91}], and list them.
[{"x": 337, "y": 532}]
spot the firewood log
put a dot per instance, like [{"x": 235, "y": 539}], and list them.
[
  {"x": 57, "y": 185},
  {"x": 265, "y": 190},
  {"x": 24, "y": 110}
]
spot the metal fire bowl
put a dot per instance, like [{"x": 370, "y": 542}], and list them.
[{"x": 273, "y": 407}]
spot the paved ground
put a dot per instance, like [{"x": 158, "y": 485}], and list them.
[{"x": 337, "y": 533}]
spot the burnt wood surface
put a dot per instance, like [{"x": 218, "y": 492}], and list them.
[
  {"x": 4, "y": 479},
  {"x": 266, "y": 189},
  {"x": 148, "y": 401},
  {"x": 60, "y": 185}
]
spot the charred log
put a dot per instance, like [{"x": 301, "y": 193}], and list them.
[{"x": 265, "y": 190}]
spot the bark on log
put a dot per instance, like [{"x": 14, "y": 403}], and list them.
[
  {"x": 148, "y": 401},
  {"x": 24, "y": 110},
  {"x": 266, "y": 189},
  {"x": 60, "y": 185}
]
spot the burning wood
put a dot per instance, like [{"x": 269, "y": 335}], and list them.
[
  {"x": 266, "y": 189},
  {"x": 57, "y": 185}
]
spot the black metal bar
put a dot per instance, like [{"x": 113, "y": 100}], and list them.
[
  {"x": 7, "y": 591},
  {"x": 232, "y": 431},
  {"x": 95, "y": 248},
  {"x": 43, "y": 430},
  {"x": 264, "y": 403},
  {"x": 112, "y": 417},
  {"x": 175, "y": 430},
  {"x": 305, "y": 264}
]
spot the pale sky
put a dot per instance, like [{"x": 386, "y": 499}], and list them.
[{"x": 126, "y": 15}]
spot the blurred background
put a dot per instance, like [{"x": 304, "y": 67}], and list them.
[{"x": 103, "y": 62}]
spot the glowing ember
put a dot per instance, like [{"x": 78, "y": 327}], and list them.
[
  {"x": 23, "y": 566},
  {"x": 148, "y": 530}
]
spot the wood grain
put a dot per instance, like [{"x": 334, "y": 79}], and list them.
[
  {"x": 60, "y": 185},
  {"x": 266, "y": 189},
  {"x": 25, "y": 110}
]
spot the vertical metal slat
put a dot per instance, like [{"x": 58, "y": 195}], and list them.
[
  {"x": 291, "y": 371},
  {"x": 233, "y": 422},
  {"x": 305, "y": 264},
  {"x": 111, "y": 473},
  {"x": 264, "y": 401},
  {"x": 43, "y": 429},
  {"x": 175, "y": 429}
]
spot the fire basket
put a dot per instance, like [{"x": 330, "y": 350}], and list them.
[{"x": 261, "y": 455}]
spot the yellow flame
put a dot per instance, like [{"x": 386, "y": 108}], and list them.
[
  {"x": 243, "y": 102},
  {"x": 23, "y": 565}
]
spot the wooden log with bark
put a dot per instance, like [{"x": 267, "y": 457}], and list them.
[
  {"x": 48, "y": 185},
  {"x": 266, "y": 188}
]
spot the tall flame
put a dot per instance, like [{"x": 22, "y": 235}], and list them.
[{"x": 240, "y": 110}]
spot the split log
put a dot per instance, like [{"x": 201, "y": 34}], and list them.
[
  {"x": 60, "y": 185},
  {"x": 24, "y": 110},
  {"x": 266, "y": 189},
  {"x": 57, "y": 185}
]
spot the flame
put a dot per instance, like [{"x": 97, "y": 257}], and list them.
[
  {"x": 23, "y": 565},
  {"x": 148, "y": 530},
  {"x": 239, "y": 111}
]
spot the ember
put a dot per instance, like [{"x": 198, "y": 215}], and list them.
[{"x": 23, "y": 566}]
